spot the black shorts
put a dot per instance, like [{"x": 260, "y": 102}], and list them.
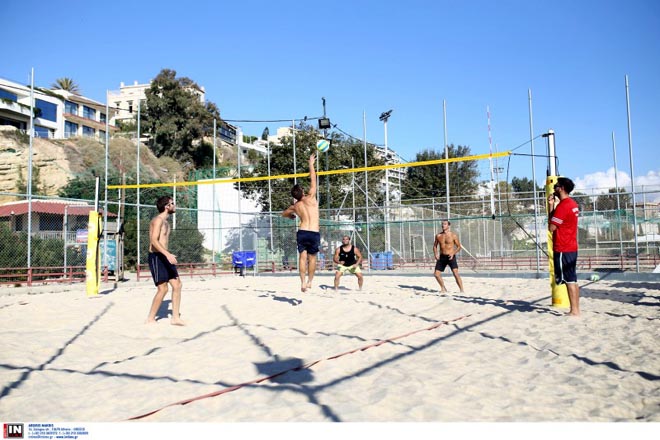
[
  {"x": 308, "y": 241},
  {"x": 444, "y": 261},
  {"x": 565, "y": 267},
  {"x": 161, "y": 270}
]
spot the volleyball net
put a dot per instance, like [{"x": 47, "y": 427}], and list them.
[{"x": 499, "y": 229}]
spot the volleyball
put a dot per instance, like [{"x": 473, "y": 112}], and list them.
[
  {"x": 323, "y": 145},
  {"x": 594, "y": 277}
]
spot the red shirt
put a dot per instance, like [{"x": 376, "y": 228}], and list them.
[{"x": 565, "y": 217}]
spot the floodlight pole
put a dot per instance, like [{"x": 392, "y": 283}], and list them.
[
  {"x": 29, "y": 173},
  {"x": 366, "y": 185},
  {"x": 444, "y": 117},
  {"x": 327, "y": 166},
  {"x": 384, "y": 117},
  {"x": 293, "y": 135},
  {"x": 536, "y": 211},
  {"x": 240, "y": 218},
  {"x": 104, "y": 259},
  {"x": 618, "y": 200},
  {"x": 270, "y": 198},
  {"x": 213, "y": 231},
  {"x": 137, "y": 177},
  {"x": 632, "y": 176}
]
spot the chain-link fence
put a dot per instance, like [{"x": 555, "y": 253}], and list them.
[{"x": 508, "y": 232}]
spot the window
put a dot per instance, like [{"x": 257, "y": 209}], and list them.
[
  {"x": 89, "y": 112},
  {"x": 70, "y": 129},
  {"x": 42, "y": 132},
  {"x": 71, "y": 107},
  {"x": 18, "y": 223},
  {"x": 8, "y": 95},
  {"x": 50, "y": 222},
  {"x": 130, "y": 106},
  {"x": 102, "y": 117},
  {"x": 18, "y": 124},
  {"x": 228, "y": 134},
  {"x": 88, "y": 131},
  {"x": 102, "y": 134},
  {"x": 48, "y": 110}
]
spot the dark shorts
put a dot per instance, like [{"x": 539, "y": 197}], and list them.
[
  {"x": 161, "y": 270},
  {"x": 565, "y": 264},
  {"x": 444, "y": 261},
  {"x": 308, "y": 241}
]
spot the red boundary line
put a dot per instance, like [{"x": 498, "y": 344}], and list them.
[{"x": 306, "y": 366}]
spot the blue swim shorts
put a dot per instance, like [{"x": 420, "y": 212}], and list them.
[{"x": 308, "y": 241}]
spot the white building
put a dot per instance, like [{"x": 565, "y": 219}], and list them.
[
  {"x": 126, "y": 100},
  {"x": 220, "y": 220},
  {"x": 58, "y": 114}
]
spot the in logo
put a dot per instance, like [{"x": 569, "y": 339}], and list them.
[{"x": 13, "y": 430}]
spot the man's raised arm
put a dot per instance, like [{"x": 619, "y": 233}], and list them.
[{"x": 312, "y": 175}]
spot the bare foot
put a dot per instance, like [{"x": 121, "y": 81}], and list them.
[
  {"x": 302, "y": 289},
  {"x": 574, "y": 314},
  {"x": 151, "y": 321},
  {"x": 309, "y": 285},
  {"x": 177, "y": 322}
]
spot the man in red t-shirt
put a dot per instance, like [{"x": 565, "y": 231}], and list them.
[{"x": 564, "y": 226}]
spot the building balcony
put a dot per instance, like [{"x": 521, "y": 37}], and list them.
[{"x": 14, "y": 107}]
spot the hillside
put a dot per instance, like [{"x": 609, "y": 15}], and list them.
[{"x": 59, "y": 161}]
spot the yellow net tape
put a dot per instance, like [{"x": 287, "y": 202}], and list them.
[{"x": 319, "y": 173}]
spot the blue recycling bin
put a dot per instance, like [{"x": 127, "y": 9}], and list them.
[
  {"x": 378, "y": 261},
  {"x": 242, "y": 260},
  {"x": 389, "y": 261}
]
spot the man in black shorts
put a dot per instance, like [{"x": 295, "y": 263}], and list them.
[
  {"x": 449, "y": 245},
  {"x": 162, "y": 263},
  {"x": 308, "y": 237}
]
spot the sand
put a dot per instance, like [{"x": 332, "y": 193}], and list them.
[{"x": 396, "y": 351}]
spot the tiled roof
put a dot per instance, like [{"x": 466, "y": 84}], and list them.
[{"x": 46, "y": 207}]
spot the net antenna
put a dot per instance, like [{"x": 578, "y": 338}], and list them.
[{"x": 492, "y": 179}]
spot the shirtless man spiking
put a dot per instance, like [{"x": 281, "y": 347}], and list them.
[{"x": 308, "y": 238}]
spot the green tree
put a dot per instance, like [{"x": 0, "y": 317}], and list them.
[
  {"x": 430, "y": 181},
  {"x": 175, "y": 120},
  {"x": 67, "y": 84},
  {"x": 332, "y": 189},
  {"x": 608, "y": 201},
  {"x": 583, "y": 200},
  {"x": 188, "y": 241},
  {"x": 524, "y": 187}
]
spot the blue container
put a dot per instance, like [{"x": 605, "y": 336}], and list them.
[
  {"x": 378, "y": 261},
  {"x": 389, "y": 262},
  {"x": 244, "y": 259}
]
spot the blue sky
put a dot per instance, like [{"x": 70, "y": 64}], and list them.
[{"x": 264, "y": 60}]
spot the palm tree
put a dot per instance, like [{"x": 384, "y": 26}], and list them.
[{"x": 67, "y": 84}]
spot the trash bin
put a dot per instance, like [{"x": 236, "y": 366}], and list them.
[
  {"x": 389, "y": 261},
  {"x": 377, "y": 261},
  {"x": 242, "y": 260}
]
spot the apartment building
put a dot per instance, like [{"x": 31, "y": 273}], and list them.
[
  {"x": 84, "y": 117},
  {"x": 125, "y": 103},
  {"x": 126, "y": 100},
  {"x": 58, "y": 114},
  {"x": 15, "y": 109}
]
